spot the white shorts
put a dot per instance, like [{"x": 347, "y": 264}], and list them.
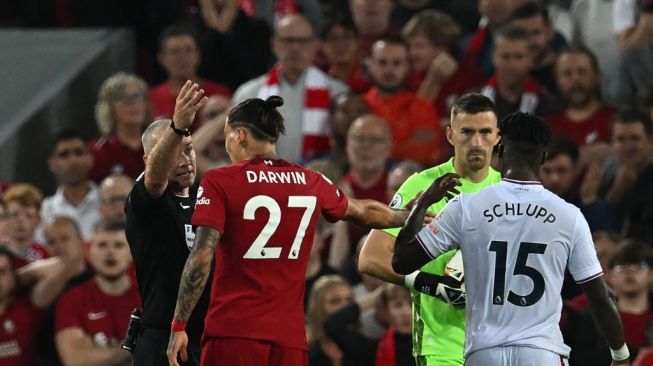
[{"x": 515, "y": 355}]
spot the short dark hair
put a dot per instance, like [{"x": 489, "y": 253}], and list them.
[
  {"x": 529, "y": 10},
  {"x": 110, "y": 225},
  {"x": 260, "y": 117},
  {"x": 525, "y": 128},
  {"x": 176, "y": 30},
  {"x": 441, "y": 29},
  {"x": 562, "y": 145},
  {"x": 338, "y": 20},
  {"x": 472, "y": 103},
  {"x": 631, "y": 251},
  {"x": 582, "y": 51},
  {"x": 633, "y": 115},
  {"x": 64, "y": 135},
  {"x": 512, "y": 32}
]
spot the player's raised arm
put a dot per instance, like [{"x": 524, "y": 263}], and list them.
[
  {"x": 605, "y": 314},
  {"x": 409, "y": 255},
  {"x": 193, "y": 279},
  {"x": 374, "y": 214}
]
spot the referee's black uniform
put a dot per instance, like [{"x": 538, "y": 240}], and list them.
[{"x": 160, "y": 234}]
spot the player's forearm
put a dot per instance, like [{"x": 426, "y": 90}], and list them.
[
  {"x": 376, "y": 257},
  {"x": 96, "y": 356},
  {"x": 51, "y": 284},
  {"x": 161, "y": 162},
  {"x": 408, "y": 254},
  {"x": 604, "y": 311},
  {"x": 380, "y": 216},
  {"x": 196, "y": 272}
]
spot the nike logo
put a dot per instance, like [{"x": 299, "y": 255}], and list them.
[
  {"x": 96, "y": 316},
  {"x": 184, "y": 207}
]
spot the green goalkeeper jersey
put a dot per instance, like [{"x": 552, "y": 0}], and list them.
[{"x": 438, "y": 328}]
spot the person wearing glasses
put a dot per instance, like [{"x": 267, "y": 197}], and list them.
[
  {"x": 306, "y": 90},
  {"x": 122, "y": 113},
  {"x": 76, "y": 197},
  {"x": 113, "y": 193}
]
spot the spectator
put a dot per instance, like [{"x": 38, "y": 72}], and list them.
[
  {"x": 272, "y": 11},
  {"x": 404, "y": 10},
  {"x": 395, "y": 348},
  {"x": 412, "y": 118},
  {"x": 122, "y": 113},
  {"x": 235, "y": 46},
  {"x": 476, "y": 62},
  {"x": 433, "y": 39},
  {"x": 329, "y": 294},
  {"x": 6, "y": 224},
  {"x": 23, "y": 204},
  {"x": 639, "y": 207},
  {"x": 340, "y": 49},
  {"x": 92, "y": 318},
  {"x": 113, "y": 193},
  {"x": 585, "y": 119},
  {"x": 398, "y": 175},
  {"x": 372, "y": 20},
  {"x": 346, "y": 107},
  {"x": 70, "y": 161},
  {"x": 316, "y": 268},
  {"x": 560, "y": 174},
  {"x": 21, "y": 312},
  {"x": 306, "y": 91},
  {"x": 209, "y": 139},
  {"x": 373, "y": 319},
  {"x": 368, "y": 147},
  {"x": 632, "y": 143},
  {"x": 179, "y": 55},
  {"x": 545, "y": 42},
  {"x": 512, "y": 88}
]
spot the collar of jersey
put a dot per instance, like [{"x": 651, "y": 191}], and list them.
[{"x": 525, "y": 182}]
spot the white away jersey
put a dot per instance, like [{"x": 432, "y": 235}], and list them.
[{"x": 516, "y": 238}]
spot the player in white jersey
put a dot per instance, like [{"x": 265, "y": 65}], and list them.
[{"x": 517, "y": 238}]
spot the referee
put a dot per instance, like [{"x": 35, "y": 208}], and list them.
[{"x": 158, "y": 215}]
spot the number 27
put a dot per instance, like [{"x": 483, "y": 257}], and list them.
[{"x": 258, "y": 250}]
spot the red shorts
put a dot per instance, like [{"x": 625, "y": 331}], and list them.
[{"x": 249, "y": 352}]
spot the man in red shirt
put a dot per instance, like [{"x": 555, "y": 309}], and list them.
[
  {"x": 263, "y": 211},
  {"x": 412, "y": 118},
  {"x": 585, "y": 120},
  {"x": 91, "y": 319},
  {"x": 179, "y": 55}
]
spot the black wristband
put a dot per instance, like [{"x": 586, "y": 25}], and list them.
[
  {"x": 427, "y": 283},
  {"x": 184, "y": 132}
]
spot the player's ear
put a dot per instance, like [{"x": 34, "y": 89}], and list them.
[
  {"x": 500, "y": 151},
  {"x": 543, "y": 158}
]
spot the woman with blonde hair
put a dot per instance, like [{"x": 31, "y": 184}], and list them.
[{"x": 122, "y": 113}]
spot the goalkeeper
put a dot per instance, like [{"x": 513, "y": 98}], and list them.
[{"x": 438, "y": 314}]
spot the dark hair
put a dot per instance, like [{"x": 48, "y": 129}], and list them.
[
  {"x": 524, "y": 129},
  {"x": 529, "y": 10},
  {"x": 64, "y": 135},
  {"x": 472, "y": 103},
  {"x": 176, "y": 30},
  {"x": 338, "y": 20},
  {"x": 631, "y": 251},
  {"x": 562, "y": 145},
  {"x": 512, "y": 32},
  {"x": 261, "y": 118},
  {"x": 579, "y": 50},
  {"x": 110, "y": 225},
  {"x": 631, "y": 115}
]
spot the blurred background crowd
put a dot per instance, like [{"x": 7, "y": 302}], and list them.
[{"x": 367, "y": 86}]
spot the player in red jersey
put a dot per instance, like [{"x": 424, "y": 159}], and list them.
[{"x": 263, "y": 210}]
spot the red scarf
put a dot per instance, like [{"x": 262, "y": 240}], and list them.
[
  {"x": 281, "y": 8},
  {"x": 386, "y": 352},
  {"x": 315, "y": 114},
  {"x": 529, "y": 99}
]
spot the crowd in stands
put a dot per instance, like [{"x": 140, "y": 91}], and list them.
[{"x": 367, "y": 86}]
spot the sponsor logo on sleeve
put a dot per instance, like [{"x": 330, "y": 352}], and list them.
[{"x": 201, "y": 201}]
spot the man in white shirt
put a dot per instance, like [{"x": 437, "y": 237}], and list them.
[
  {"x": 76, "y": 197},
  {"x": 517, "y": 238},
  {"x": 306, "y": 90}
]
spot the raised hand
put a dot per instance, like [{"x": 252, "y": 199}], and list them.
[
  {"x": 190, "y": 99},
  {"x": 443, "y": 187}
]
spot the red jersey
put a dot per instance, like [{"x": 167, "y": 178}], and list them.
[
  {"x": 635, "y": 327},
  {"x": 19, "y": 326},
  {"x": 377, "y": 192},
  {"x": 593, "y": 129},
  {"x": 266, "y": 212},
  {"x": 34, "y": 253},
  {"x": 163, "y": 101},
  {"x": 111, "y": 155},
  {"x": 103, "y": 317}
]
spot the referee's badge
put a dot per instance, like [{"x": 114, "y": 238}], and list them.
[
  {"x": 190, "y": 236},
  {"x": 397, "y": 200}
]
